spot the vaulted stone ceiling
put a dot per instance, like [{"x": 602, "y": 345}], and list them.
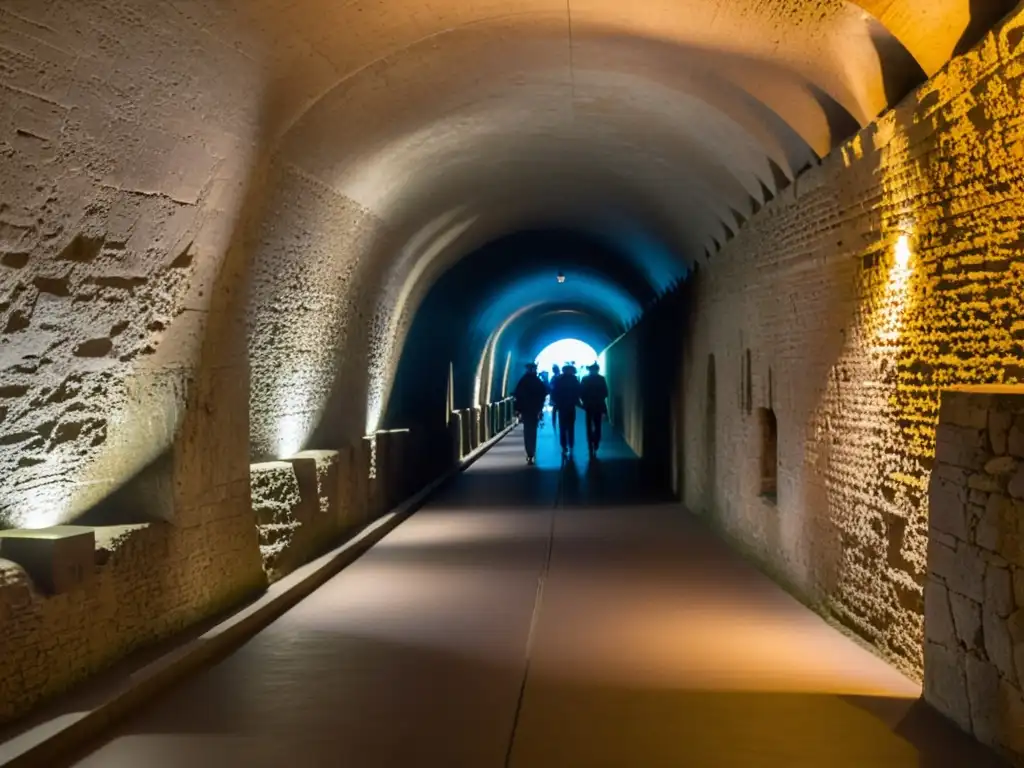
[{"x": 362, "y": 148}]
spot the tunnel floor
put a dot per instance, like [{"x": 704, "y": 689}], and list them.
[{"x": 535, "y": 617}]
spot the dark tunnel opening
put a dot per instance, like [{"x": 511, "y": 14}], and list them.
[{"x": 506, "y": 301}]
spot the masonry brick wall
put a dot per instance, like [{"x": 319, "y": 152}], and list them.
[
  {"x": 850, "y": 346},
  {"x": 151, "y": 581},
  {"x": 974, "y": 597}
]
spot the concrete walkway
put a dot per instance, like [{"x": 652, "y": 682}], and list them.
[{"x": 541, "y": 618}]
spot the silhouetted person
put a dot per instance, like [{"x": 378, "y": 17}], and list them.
[
  {"x": 566, "y": 396},
  {"x": 529, "y": 401},
  {"x": 594, "y": 396},
  {"x": 555, "y": 373}
]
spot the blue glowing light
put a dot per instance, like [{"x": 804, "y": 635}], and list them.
[{"x": 566, "y": 350}]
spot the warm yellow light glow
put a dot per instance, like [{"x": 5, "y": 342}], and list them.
[{"x": 902, "y": 252}]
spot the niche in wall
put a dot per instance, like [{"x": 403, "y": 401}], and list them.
[{"x": 769, "y": 433}]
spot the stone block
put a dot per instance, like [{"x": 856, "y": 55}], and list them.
[
  {"x": 964, "y": 409},
  {"x": 1011, "y": 707},
  {"x": 1018, "y": 587},
  {"x": 325, "y": 464},
  {"x": 943, "y": 538},
  {"x": 975, "y": 496},
  {"x": 1015, "y": 625},
  {"x": 58, "y": 559},
  {"x": 950, "y": 473},
  {"x": 1015, "y": 441},
  {"x": 983, "y": 695},
  {"x": 1018, "y": 662},
  {"x": 309, "y": 496},
  {"x": 275, "y": 491},
  {"x": 941, "y": 559},
  {"x": 999, "y": 590},
  {"x": 1016, "y": 485},
  {"x": 966, "y": 620},
  {"x": 995, "y": 524},
  {"x": 1001, "y": 465},
  {"x": 947, "y": 508},
  {"x": 945, "y": 684},
  {"x": 965, "y": 571},
  {"x": 985, "y": 482},
  {"x": 999, "y": 424},
  {"x": 998, "y": 643},
  {"x": 938, "y": 618},
  {"x": 975, "y": 512},
  {"x": 960, "y": 446}
]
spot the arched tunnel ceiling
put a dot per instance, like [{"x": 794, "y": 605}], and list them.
[
  {"x": 675, "y": 119},
  {"x": 701, "y": 108},
  {"x": 371, "y": 144},
  {"x": 505, "y": 298}
]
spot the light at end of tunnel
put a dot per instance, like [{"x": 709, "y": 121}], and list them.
[
  {"x": 903, "y": 252},
  {"x": 565, "y": 350}
]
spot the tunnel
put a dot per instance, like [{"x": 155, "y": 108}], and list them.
[{"x": 272, "y": 271}]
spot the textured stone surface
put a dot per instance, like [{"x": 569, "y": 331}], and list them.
[
  {"x": 219, "y": 216},
  {"x": 987, "y": 639},
  {"x": 151, "y": 581},
  {"x": 818, "y": 270},
  {"x": 277, "y": 506},
  {"x": 945, "y": 680},
  {"x": 114, "y": 207}
]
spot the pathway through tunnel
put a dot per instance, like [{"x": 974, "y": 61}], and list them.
[{"x": 542, "y": 616}]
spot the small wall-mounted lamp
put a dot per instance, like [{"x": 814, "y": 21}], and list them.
[
  {"x": 903, "y": 252},
  {"x": 561, "y": 277}
]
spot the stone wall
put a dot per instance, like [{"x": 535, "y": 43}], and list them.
[
  {"x": 151, "y": 581},
  {"x": 974, "y": 596},
  {"x": 155, "y": 579},
  {"x": 644, "y": 402},
  {"x": 117, "y": 205},
  {"x": 891, "y": 271}
]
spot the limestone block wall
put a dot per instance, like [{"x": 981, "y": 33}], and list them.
[
  {"x": 891, "y": 271},
  {"x": 151, "y": 581},
  {"x": 974, "y": 596},
  {"x": 303, "y": 506}
]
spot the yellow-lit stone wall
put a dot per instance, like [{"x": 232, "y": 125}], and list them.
[{"x": 891, "y": 271}]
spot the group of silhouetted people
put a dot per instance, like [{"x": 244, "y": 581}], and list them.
[{"x": 567, "y": 393}]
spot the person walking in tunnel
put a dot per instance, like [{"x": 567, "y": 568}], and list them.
[
  {"x": 555, "y": 373},
  {"x": 566, "y": 396},
  {"x": 529, "y": 395},
  {"x": 594, "y": 396}
]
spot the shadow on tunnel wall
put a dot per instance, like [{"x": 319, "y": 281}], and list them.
[
  {"x": 984, "y": 15},
  {"x": 644, "y": 367}
]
